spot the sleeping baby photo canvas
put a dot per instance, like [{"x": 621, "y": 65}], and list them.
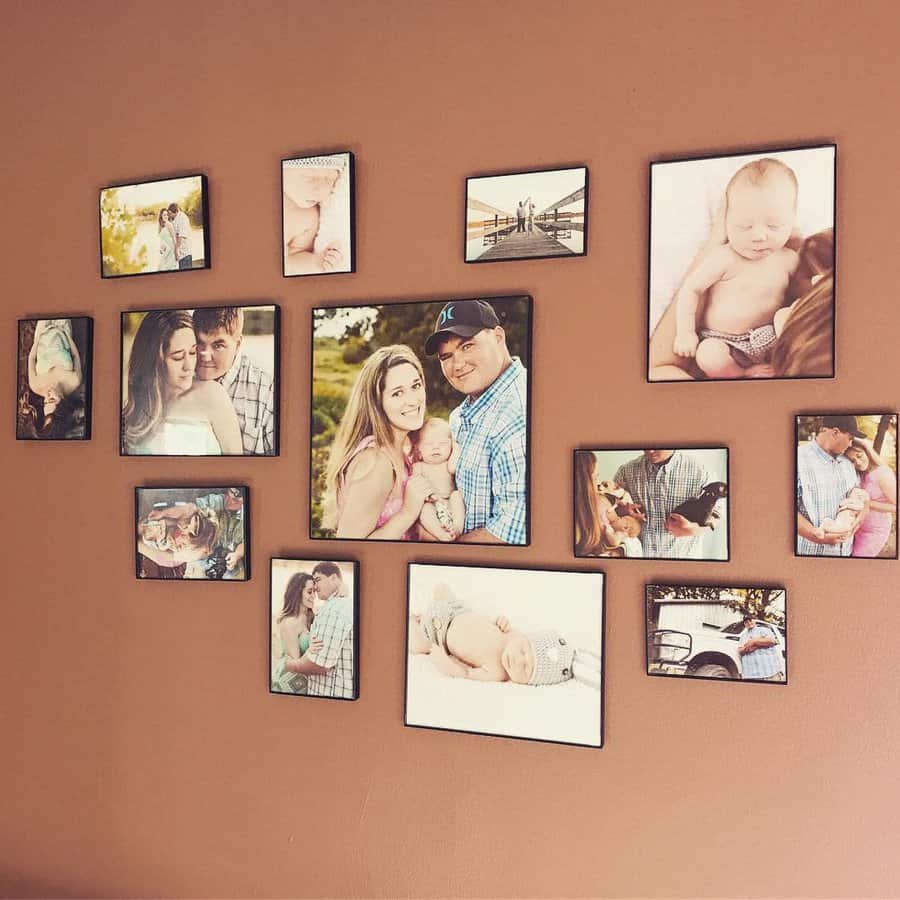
[{"x": 506, "y": 652}]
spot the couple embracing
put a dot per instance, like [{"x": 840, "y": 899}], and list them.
[
  {"x": 192, "y": 391},
  {"x": 394, "y": 474}
]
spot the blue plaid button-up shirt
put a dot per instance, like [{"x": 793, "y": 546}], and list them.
[
  {"x": 764, "y": 662},
  {"x": 661, "y": 488},
  {"x": 492, "y": 471},
  {"x": 822, "y": 482}
]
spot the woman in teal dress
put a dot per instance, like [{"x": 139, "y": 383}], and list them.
[{"x": 294, "y": 623}]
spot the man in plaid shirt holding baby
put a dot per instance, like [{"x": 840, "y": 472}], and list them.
[{"x": 490, "y": 425}]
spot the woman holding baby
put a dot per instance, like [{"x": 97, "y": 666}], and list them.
[{"x": 372, "y": 490}]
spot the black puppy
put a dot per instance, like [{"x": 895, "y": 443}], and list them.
[{"x": 702, "y": 509}]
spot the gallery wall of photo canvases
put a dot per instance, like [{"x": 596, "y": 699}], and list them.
[{"x": 432, "y": 486}]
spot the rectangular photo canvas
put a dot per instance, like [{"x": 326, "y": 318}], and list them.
[
  {"x": 200, "y": 382},
  {"x": 488, "y": 653},
  {"x": 731, "y": 633},
  {"x": 527, "y": 215},
  {"x": 314, "y": 628},
  {"x": 317, "y": 215},
  {"x": 420, "y": 421},
  {"x": 742, "y": 266},
  {"x": 846, "y": 479},
  {"x": 154, "y": 226},
  {"x": 53, "y": 379},
  {"x": 192, "y": 533},
  {"x": 652, "y": 504}
]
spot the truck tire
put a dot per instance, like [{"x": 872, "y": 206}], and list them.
[{"x": 712, "y": 670}]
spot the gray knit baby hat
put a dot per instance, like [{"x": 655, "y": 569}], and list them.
[{"x": 552, "y": 657}]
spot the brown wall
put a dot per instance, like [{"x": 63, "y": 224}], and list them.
[{"x": 141, "y": 751}]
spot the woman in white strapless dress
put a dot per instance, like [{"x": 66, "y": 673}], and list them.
[
  {"x": 167, "y": 412},
  {"x": 167, "y": 260}
]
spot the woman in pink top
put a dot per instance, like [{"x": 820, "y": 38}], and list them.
[
  {"x": 880, "y": 483},
  {"x": 371, "y": 491}
]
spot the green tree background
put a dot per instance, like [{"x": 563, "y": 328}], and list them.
[
  {"x": 337, "y": 361},
  {"x": 751, "y": 601},
  {"x": 118, "y": 230}
]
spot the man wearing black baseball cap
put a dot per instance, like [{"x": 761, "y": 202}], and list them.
[
  {"x": 824, "y": 478},
  {"x": 490, "y": 425}
]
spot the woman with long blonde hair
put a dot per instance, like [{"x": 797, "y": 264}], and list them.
[
  {"x": 589, "y": 525},
  {"x": 371, "y": 490}
]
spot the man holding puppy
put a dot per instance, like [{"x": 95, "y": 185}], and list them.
[{"x": 661, "y": 480}]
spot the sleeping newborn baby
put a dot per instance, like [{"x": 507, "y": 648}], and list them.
[
  {"x": 848, "y": 512},
  {"x": 466, "y": 644}
]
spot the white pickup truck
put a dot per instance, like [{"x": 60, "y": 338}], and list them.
[{"x": 704, "y": 653}]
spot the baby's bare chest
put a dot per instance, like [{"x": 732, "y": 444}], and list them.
[
  {"x": 761, "y": 281},
  {"x": 475, "y": 640},
  {"x": 301, "y": 227}
]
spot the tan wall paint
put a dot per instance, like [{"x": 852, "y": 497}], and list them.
[{"x": 141, "y": 752}]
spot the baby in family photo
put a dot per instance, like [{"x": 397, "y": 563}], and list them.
[
  {"x": 848, "y": 511},
  {"x": 730, "y": 306},
  {"x": 444, "y": 515},
  {"x": 621, "y": 518},
  {"x": 316, "y": 221},
  {"x": 466, "y": 644}
]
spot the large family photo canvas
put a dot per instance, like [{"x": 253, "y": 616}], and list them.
[
  {"x": 846, "y": 485},
  {"x": 527, "y": 215},
  {"x": 53, "y": 379},
  {"x": 200, "y": 381},
  {"x": 506, "y": 652},
  {"x": 730, "y": 633},
  {"x": 154, "y": 226},
  {"x": 633, "y": 503},
  {"x": 192, "y": 533},
  {"x": 314, "y": 628},
  {"x": 420, "y": 421},
  {"x": 742, "y": 266},
  {"x": 317, "y": 214}
]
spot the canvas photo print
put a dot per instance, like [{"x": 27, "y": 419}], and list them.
[
  {"x": 652, "y": 504},
  {"x": 314, "y": 613},
  {"x": 192, "y": 533},
  {"x": 200, "y": 381},
  {"x": 733, "y": 633},
  {"x": 420, "y": 421},
  {"x": 526, "y": 215},
  {"x": 742, "y": 266},
  {"x": 53, "y": 379},
  {"x": 846, "y": 474},
  {"x": 488, "y": 653},
  {"x": 317, "y": 214},
  {"x": 154, "y": 226}
]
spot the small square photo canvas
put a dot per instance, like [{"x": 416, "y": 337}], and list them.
[
  {"x": 527, "y": 215},
  {"x": 488, "y": 653},
  {"x": 53, "y": 379},
  {"x": 154, "y": 226},
  {"x": 652, "y": 504},
  {"x": 317, "y": 215},
  {"x": 192, "y": 533},
  {"x": 732, "y": 633},
  {"x": 846, "y": 471},
  {"x": 314, "y": 633},
  {"x": 200, "y": 381},
  {"x": 742, "y": 266},
  {"x": 420, "y": 421}
]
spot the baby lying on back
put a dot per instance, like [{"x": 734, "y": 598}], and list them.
[
  {"x": 726, "y": 306},
  {"x": 466, "y": 644}
]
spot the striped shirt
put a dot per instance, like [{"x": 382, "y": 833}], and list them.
[
  {"x": 492, "y": 471},
  {"x": 252, "y": 393},
  {"x": 333, "y": 625},
  {"x": 823, "y": 481},
  {"x": 764, "y": 661},
  {"x": 660, "y": 488}
]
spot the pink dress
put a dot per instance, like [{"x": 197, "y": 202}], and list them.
[
  {"x": 392, "y": 505},
  {"x": 876, "y": 527}
]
